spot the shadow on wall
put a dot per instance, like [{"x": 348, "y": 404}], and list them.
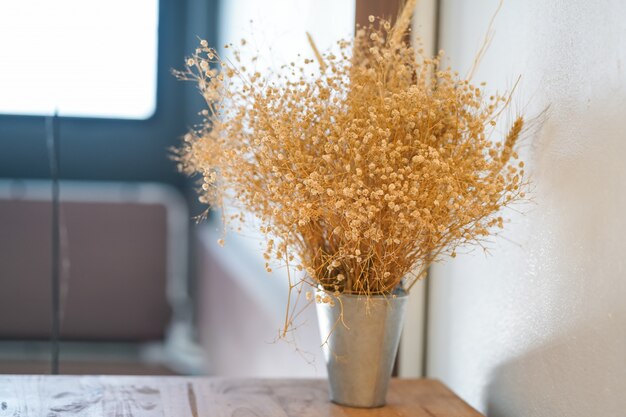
[
  {"x": 558, "y": 379},
  {"x": 580, "y": 370}
]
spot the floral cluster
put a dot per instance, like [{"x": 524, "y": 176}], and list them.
[{"x": 363, "y": 166}]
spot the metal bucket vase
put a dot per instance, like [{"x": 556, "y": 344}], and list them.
[{"x": 360, "y": 354}]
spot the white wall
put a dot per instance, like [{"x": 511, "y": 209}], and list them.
[
  {"x": 538, "y": 327},
  {"x": 242, "y": 308}
]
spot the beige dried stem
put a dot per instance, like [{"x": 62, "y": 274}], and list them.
[
  {"x": 486, "y": 42},
  {"x": 316, "y": 51}
]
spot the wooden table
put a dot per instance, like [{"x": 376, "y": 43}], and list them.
[{"x": 126, "y": 396}]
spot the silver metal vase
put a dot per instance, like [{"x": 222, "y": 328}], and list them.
[{"x": 360, "y": 348}]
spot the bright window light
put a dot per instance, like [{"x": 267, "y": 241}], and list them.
[
  {"x": 277, "y": 28},
  {"x": 80, "y": 58}
]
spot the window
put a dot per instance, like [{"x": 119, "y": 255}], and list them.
[{"x": 80, "y": 58}]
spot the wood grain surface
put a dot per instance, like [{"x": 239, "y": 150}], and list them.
[{"x": 137, "y": 396}]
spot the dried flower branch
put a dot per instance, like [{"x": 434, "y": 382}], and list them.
[
  {"x": 402, "y": 24},
  {"x": 318, "y": 56},
  {"x": 362, "y": 173}
]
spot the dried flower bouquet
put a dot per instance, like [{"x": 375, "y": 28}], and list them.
[{"x": 363, "y": 166}]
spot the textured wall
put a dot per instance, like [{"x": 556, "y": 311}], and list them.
[{"x": 538, "y": 327}]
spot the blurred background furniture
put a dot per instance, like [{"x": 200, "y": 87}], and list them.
[{"x": 124, "y": 285}]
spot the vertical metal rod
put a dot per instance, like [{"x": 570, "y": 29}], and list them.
[{"x": 52, "y": 130}]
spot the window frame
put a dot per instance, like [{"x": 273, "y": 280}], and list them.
[{"x": 94, "y": 148}]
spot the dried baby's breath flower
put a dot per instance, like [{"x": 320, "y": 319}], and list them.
[{"x": 368, "y": 170}]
